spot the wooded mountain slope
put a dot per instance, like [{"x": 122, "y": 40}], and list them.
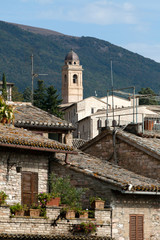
[{"x": 17, "y": 42}]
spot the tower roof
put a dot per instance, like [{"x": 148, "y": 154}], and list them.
[{"x": 72, "y": 56}]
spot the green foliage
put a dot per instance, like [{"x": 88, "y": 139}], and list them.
[
  {"x": 4, "y": 87},
  {"x": 16, "y": 95},
  {"x": 150, "y": 100},
  {"x": 129, "y": 69},
  {"x": 3, "y": 197},
  {"x": 52, "y": 102},
  {"x": 16, "y": 208},
  {"x": 92, "y": 199},
  {"x": 47, "y": 99},
  {"x": 6, "y": 112},
  {"x": 40, "y": 95},
  {"x": 43, "y": 198},
  {"x": 27, "y": 95},
  {"x": 69, "y": 194}
]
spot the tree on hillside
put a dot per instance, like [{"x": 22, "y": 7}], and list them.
[
  {"x": 47, "y": 99},
  {"x": 39, "y": 96},
  {"x": 150, "y": 100},
  {"x": 16, "y": 95},
  {"x": 4, "y": 87},
  {"x": 52, "y": 102},
  {"x": 27, "y": 95}
]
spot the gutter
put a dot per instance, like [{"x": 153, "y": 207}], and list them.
[
  {"x": 140, "y": 192},
  {"x": 36, "y": 148}
]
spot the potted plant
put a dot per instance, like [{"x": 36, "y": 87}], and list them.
[
  {"x": 63, "y": 188},
  {"x": 82, "y": 213},
  {"x": 34, "y": 210},
  {"x": 96, "y": 203},
  {"x": 84, "y": 228},
  {"x": 44, "y": 198},
  {"x": 54, "y": 200},
  {"x": 17, "y": 209},
  {"x": 3, "y": 197},
  {"x": 68, "y": 213}
]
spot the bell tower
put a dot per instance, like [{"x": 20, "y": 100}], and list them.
[{"x": 72, "y": 80}]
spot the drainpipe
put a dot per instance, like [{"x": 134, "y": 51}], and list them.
[
  {"x": 114, "y": 147},
  {"x": 111, "y": 216}
]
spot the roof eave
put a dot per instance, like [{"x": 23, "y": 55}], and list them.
[{"x": 37, "y": 148}]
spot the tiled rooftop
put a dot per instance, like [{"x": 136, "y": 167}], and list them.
[
  {"x": 11, "y": 136},
  {"x": 123, "y": 179},
  {"x": 150, "y": 142},
  {"x": 27, "y": 115}
]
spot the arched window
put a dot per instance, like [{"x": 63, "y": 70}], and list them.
[{"x": 75, "y": 78}]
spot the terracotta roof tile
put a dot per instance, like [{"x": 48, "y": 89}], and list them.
[
  {"x": 11, "y": 136},
  {"x": 27, "y": 115},
  {"x": 121, "y": 178}
]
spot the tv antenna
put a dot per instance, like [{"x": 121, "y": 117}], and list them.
[{"x": 34, "y": 75}]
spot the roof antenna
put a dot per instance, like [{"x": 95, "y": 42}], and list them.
[
  {"x": 33, "y": 76},
  {"x": 112, "y": 93}
]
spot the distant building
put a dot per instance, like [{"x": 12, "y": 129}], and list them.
[
  {"x": 79, "y": 111},
  {"x": 9, "y": 90},
  {"x": 72, "y": 81}
]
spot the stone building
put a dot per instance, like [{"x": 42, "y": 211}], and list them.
[
  {"x": 138, "y": 153},
  {"x": 40, "y": 122},
  {"x": 25, "y": 163}
]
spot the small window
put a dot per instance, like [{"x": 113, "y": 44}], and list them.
[
  {"x": 92, "y": 110},
  {"x": 70, "y": 63},
  {"x": 75, "y": 78},
  {"x": 74, "y": 63},
  {"x": 65, "y": 78}
]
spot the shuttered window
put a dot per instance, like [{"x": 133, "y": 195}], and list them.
[
  {"x": 29, "y": 188},
  {"x": 136, "y": 227}
]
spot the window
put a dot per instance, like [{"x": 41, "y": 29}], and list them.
[
  {"x": 75, "y": 78},
  {"x": 92, "y": 110},
  {"x": 136, "y": 227},
  {"x": 29, "y": 188},
  {"x": 65, "y": 78}
]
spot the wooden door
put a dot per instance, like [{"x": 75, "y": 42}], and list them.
[
  {"x": 136, "y": 227},
  {"x": 29, "y": 188}
]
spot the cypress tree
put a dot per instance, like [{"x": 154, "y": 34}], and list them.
[{"x": 4, "y": 87}]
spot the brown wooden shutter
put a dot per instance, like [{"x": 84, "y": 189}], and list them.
[
  {"x": 140, "y": 227},
  {"x": 136, "y": 227},
  {"x": 29, "y": 188}
]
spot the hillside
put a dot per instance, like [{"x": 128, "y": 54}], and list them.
[{"x": 17, "y": 42}]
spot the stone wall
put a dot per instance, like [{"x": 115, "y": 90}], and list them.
[
  {"x": 10, "y": 179},
  {"x": 128, "y": 156},
  {"x": 42, "y": 226}
]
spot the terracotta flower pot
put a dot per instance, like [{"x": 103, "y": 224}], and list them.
[
  {"x": 84, "y": 215},
  {"x": 98, "y": 204},
  {"x": 70, "y": 214},
  {"x": 34, "y": 212},
  {"x": 54, "y": 202},
  {"x": 19, "y": 213}
]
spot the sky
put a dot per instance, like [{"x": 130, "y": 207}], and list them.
[{"x": 131, "y": 24}]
